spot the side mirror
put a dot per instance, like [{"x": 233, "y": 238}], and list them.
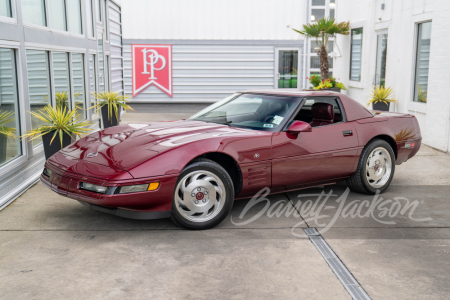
[{"x": 299, "y": 126}]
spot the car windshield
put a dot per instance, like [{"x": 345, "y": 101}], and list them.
[{"x": 253, "y": 111}]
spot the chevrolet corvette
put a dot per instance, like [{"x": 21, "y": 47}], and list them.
[{"x": 192, "y": 170}]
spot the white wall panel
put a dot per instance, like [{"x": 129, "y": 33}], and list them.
[{"x": 213, "y": 20}]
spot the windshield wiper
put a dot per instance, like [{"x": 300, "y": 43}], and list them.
[{"x": 223, "y": 123}]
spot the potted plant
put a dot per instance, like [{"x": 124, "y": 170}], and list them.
[
  {"x": 108, "y": 103},
  {"x": 322, "y": 31},
  {"x": 5, "y": 133},
  {"x": 330, "y": 84},
  {"x": 381, "y": 98},
  {"x": 61, "y": 123},
  {"x": 62, "y": 100}
]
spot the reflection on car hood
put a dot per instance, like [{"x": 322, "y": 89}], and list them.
[{"x": 127, "y": 146}]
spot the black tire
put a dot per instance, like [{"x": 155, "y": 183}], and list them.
[
  {"x": 204, "y": 164},
  {"x": 358, "y": 182}
]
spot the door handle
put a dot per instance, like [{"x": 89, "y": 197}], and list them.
[{"x": 347, "y": 133}]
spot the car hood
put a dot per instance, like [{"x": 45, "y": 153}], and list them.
[{"x": 127, "y": 146}]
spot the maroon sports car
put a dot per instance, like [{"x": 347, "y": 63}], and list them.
[{"x": 192, "y": 170}]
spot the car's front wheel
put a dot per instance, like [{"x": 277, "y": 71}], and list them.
[
  {"x": 375, "y": 168},
  {"x": 203, "y": 196}
]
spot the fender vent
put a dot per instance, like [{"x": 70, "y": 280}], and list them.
[{"x": 257, "y": 175}]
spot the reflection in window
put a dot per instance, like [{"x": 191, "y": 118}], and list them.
[
  {"x": 98, "y": 5},
  {"x": 355, "y": 54},
  {"x": 92, "y": 79},
  {"x": 33, "y": 11},
  {"x": 101, "y": 63},
  {"x": 318, "y": 2},
  {"x": 5, "y": 8},
  {"x": 78, "y": 84},
  {"x": 317, "y": 14},
  {"x": 287, "y": 68},
  {"x": 57, "y": 14},
  {"x": 315, "y": 47},
  {"x": 74, "y": 16},
  {"x": 422, "y": 62},
  {"x": 61, "y": 79},
  {"x": 91, "y": 18},
  {"x": 38, "y": 84},
  {"x": 9, "y": 107}
]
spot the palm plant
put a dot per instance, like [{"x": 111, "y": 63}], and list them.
[
  {"x": 9, "y": 132},
  {"x": 381, "y": 94},
  {"x": 322, "y": 31},
  {"x": 62, "y": 100},
  {"x": 421, "y": 94},
  {"x": 113, "y": 100},
  {"x": 60, "y": 121}
]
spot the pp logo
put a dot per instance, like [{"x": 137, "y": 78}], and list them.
[
  {"x": 256, "y": 155},
  {"x": 152, "y": 65}
]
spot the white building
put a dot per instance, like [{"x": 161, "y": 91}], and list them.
[
  {"x": 219, "y": 47},
  {"x": 405, "y": 44},
  {"x": 46, "y": 47}
]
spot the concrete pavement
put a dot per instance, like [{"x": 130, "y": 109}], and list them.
[{"x": 53, "y": 247}]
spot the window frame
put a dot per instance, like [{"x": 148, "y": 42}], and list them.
[
  {"x": 303, "y": 101},
  {"x": 13, "y": 18},
  {"x": 81, "y": 19},
  {"x": 415, "y": 56},
  {"x": 12, "y": 165},
  {"x": 351, "y": 54},
  {"x": 47, "y": 26}
]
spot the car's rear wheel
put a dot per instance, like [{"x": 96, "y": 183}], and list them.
[
  {"x": 375, "y": 169},
  {"x": 203, "y": 195}
]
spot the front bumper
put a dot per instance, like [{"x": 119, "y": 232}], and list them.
[{"x": 67, "y": 184}]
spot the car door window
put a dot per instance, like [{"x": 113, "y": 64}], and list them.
[{"x": 306, "y": 112}]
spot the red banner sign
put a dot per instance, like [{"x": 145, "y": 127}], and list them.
[{"x": 152, "y": 64}]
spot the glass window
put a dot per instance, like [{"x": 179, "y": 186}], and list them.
[
  {"x": 9, "y": 107},
  {"x": 103, "y": 5},
  {"x": 5, "y": 8},
  {"x": 34, "y": 11},
  {"x": 318, "y": 2},
  {"x": 92, "y": 79},
  {"x": 422, "y": 62},
  {"x": 38, "y": 84},
  {"x": 107, "y": 72},
  {"x": 315, "y": 47},
  {"x": 252, "y": 111},
  {"x": 332, "y": 13},
  {"x": 57, "y": 14},
  {"x": 317, "y": 14},
  {"x": 380, "y": 67},
  {"x": 355, "y": 54},
  {"x": 74, "y": 16},
  {"x": 91, "y": 17},
  {"x": 287, "y": 68},
  {"x": 101, "y": 63},
  {"x": 315, "y": 62},
  {"x": 98, "y": 5},
  {"x": 79, "y": 91},
  {"x": 106, "y": 21},
  {"x": 61, "y": 79}
]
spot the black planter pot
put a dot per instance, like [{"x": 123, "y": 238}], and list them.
[
  {"x": 55, "y": 146},
  {"x": 109, "y": 121},
  {"x": 3, "y": 142},
  {"x": 381, "y": 106},
  {"x": 335, "y": 89}
]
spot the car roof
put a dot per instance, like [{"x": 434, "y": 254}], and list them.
[{"x": 353, "y": 109}]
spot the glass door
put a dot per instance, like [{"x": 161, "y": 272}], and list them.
[
  {"x": 101, "y": 62},
  {"x": 287, "y": 68},
  {"x": 380, "y": 69}
]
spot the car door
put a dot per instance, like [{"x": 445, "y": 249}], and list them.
[{"x": 327, "y": 152}]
